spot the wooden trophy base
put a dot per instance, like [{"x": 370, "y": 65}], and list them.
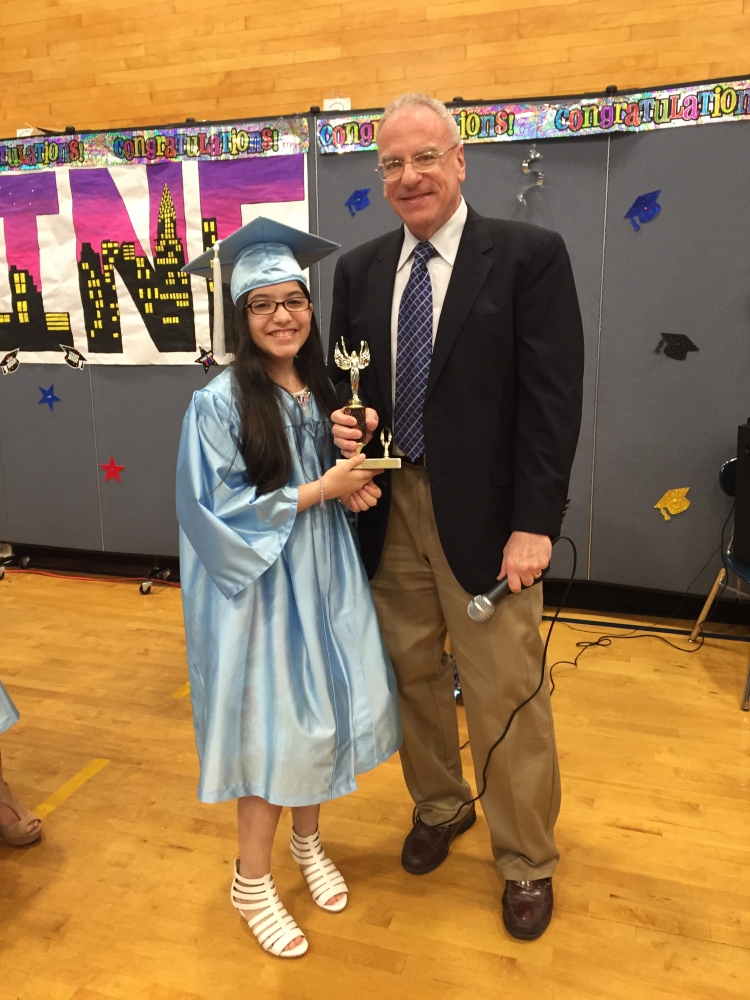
[{"x": 375, "y": 463}]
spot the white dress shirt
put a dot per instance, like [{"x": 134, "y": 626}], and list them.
[{"x": 440, "y": 268}]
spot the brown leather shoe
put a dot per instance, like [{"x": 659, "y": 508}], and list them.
[
  {"x": 527, "y": 908},
  {"x": 426, "y": 847}
]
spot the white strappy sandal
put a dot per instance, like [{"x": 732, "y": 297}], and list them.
[
  {"x": 271, "y": 924},
  {"x": 323, "y": 877}
]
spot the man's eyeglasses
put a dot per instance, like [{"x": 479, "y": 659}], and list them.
[
  {"x": 428, "y": 159},
  {"x": 267, "y": 307}
]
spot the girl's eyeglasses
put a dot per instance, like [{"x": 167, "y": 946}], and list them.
[{"x": 267, "y": 307}]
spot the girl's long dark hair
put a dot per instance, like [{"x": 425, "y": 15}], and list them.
[{"x": 263, "y": 441}]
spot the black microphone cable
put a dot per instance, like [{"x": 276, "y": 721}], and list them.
[
  {"x": 602, "y": 640},
  {"x": 534, "y": 693},
  {"x": 605, "y": 639}
]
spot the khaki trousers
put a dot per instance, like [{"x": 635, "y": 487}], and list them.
[{"x": 419, "y": 601}]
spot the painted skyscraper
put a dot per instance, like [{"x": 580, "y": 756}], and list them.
[
  {"x": 28, "y": 326},
  {"x": 160, "y": 291}
]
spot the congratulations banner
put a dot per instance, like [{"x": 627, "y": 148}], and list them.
[
  {"x": 279, "y": 137},
  {"x": 643, "y": 111},
  {"x": 93, "y": 256}
]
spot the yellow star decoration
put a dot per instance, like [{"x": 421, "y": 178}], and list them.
[{"x": 673, "y": 502}]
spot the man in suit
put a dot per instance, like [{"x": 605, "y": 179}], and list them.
[{"x": 477, "y": 359}]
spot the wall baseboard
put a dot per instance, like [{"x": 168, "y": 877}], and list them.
[
  {"x": 585, "y": 595},
  {"x": 608, "y": 598},
  {"x": 90, "y": 562}
]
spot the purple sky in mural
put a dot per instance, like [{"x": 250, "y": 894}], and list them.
[
  {"x": 22, "y": 198},
  {"x": 99, "y": 212},
  {"x": 227, "y": 185}
]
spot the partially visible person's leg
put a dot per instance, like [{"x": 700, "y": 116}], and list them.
[
  {"x": 253, "y": 891},
  {"x": 256, "y": 827},
  {"x": 500, "y": 665},
  {"x": 305, "y": 820},
  {"x": 326, "y": 884},
  {"x": 18, "y": 826}
]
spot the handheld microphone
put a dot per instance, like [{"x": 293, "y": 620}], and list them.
[{"x": 482, "y": 607}]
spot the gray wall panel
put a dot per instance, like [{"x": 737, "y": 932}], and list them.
[
  {"x": 664, "y": 424},
  {"x": 660, "y": 423},
  {"x": 3, "y": 508},
  {"x": 338, "y": 177},
  {"x": 49, "y": 459},
  {"x": 139, "y": 414},
  {"x": 571, "y": 202}
]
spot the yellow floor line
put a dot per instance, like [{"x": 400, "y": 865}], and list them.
[
  {"x": 65, "y": 791},
  {"x": 182, "y": 692}
]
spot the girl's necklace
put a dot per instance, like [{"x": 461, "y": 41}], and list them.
[{"x": 302, "y": 396}]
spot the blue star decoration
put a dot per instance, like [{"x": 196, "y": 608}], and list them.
[
  {"x": 644, "y": 209},
  {"x": 357, "y": 200},
  {"x": 49, "y": 397}
]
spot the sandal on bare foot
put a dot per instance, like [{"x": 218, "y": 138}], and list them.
[
  {"x": 257, "y": 901},
  {"x": 17, "y": 834},
  {"x": 323, "y": 877}
]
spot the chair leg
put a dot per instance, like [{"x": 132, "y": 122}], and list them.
[
  {"x": 707, "y": 606},
  {"x": 746, "y": 697}
]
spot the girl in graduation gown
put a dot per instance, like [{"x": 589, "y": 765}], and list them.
[{"x": 292, "y": 691}]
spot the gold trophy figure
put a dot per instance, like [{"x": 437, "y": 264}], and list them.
[{"x": 354, "y": 363}]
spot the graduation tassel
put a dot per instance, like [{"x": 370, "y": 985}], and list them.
[{"x": 218, "y": 334}]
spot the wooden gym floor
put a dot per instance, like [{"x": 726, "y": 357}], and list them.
[{"x": 127, "y": 894}]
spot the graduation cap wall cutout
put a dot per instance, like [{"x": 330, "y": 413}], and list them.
[
  {"x": 673, "y": 502},
  {"x": 9, "y": 363},
  {"x": 676, "y": 346},
  {"x": 358, "y": 201},
  {"x": 73, "y": 357},
  {"x": 644, "y": 209}
]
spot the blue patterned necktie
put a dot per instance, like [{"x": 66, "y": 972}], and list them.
[{"x": 413, "y": 353}]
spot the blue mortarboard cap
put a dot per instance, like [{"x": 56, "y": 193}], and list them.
[
  {"x": 261, "y": 253},
  {"x": 644, "y": 209}
]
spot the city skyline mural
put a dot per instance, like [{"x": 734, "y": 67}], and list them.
[{"x": 93, "y": 256}]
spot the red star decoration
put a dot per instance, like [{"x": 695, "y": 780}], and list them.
[{"x": 112, "y": 469}]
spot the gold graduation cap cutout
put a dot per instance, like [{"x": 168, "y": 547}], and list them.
[{"x": 673, "y": 502}]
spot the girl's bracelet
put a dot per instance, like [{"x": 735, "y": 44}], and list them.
[{"x": 322, "y": 492}]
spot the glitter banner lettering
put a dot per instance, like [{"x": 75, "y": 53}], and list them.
[
  {"x": 642, "y": 111},
  {"x": 278, "y": 137}
]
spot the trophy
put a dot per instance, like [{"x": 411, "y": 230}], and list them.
[{"x": 354, "y": 363}]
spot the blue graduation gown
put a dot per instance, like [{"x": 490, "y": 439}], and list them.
[
  {"x": 8, "y": 711},
  {"x": 292, "y": 690}
]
